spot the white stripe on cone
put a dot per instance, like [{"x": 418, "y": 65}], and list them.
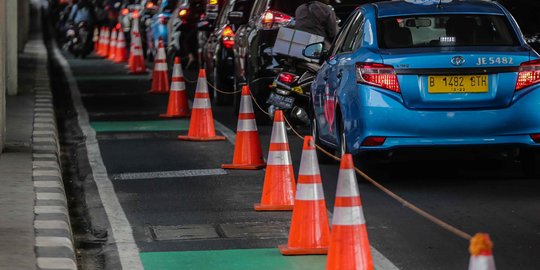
[
  {"x": 309, "y": 164},
  {"x": 177, "y": 71},
  {"x": 247, "y": 125},
  {"x": 160, "y": 67},
  {"x": 178, "y": 86},
  {"x": 348, "y": 216},
  {"x": 161, "y": 54},
  {"x": 279, "y": 134},
  {"x": 279, "y": 158},
  {"x": 482, "y": 262},
  {"x": 347, "y": 185},
  {"x": 309, "y": 192},
  {"x": 246, "y": 106},
  {"x": 202, "y": 86},
  {"x": 201, "y": 103}
]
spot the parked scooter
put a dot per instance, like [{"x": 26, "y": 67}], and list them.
[{"x": 291, "y": 90}]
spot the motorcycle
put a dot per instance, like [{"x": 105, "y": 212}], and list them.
[
  {"x": 79, "y": 40},
  {"x": 290, "y": 91}
]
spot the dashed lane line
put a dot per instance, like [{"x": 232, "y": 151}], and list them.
[{"x": 168, "y": 174}]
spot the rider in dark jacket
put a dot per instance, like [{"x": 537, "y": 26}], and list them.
[{"x": 318, "y": 18}]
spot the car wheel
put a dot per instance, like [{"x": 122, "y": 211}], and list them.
[
  {"x": 322, "y": 150},
  {"x": 530, "y": 162},
  {"x": 222, "y": 84}
]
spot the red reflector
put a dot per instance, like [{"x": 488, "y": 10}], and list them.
[
  {"x": 529, "y": 74},
  {"x": 380, "y": 75},
  {"x": 536, "y": 137},
  {"x": 125, "y": 11},
  {"x": 374, "y": 141},
  {"x": 287, "y": 78}
]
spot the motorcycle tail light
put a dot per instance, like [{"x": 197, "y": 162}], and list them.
[
  {"x": 380, "y": 75},
  {"x": 136, "y": 14},
  {"x": 529, "y": 74},
  {"x": 274, "y": 19},
  {"x": 125, "y": 11},
  {"x": 149, "y": 5},
  {"x": 287, "y": 78},
  {"x": 227, "y": 37}
]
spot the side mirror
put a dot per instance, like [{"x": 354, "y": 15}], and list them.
[
  {"x": 314, "y": 51},
  {"x": 237, "y": 17}
]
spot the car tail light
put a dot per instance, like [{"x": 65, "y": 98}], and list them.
[
  {"x": 374, "y": 141},
  {"x": 183, "y": 12},
  {"x": 529, "y": 74},
  {"x": 125, "y": 11},
  {"x": 163, "y": 20},
  {"x": 380, "y": 75},
  {"x": 149, "y": 5},
  {"x": 227, "y": 37},
  {"x": 536, "y": 137},
  {"x": 274, "y": 19},
  {"x": 287, "y": 78}
]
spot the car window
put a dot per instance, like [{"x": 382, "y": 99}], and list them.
[
  {"x": 338, "y": 42},
  {"x": 286, "y": 6},
  {"x": 446, "y": 31},
  {"x": 243, "y": 5},
  {"x": 223, "y": 13},
  {"x": 354, "y": 34}
]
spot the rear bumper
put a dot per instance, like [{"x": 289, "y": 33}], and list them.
[{"x": 370, "y": 111}]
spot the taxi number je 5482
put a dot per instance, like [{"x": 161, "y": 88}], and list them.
[{"x": 458, "y": 84}]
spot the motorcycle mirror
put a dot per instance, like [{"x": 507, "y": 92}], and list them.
[{"x": 314, "y": 50}]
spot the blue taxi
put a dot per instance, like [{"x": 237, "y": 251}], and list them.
[{"x": 427, "y": 73}]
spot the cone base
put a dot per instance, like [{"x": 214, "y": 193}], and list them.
[
  {"x": 164, "y": 115},
  {"x": 287, "y": 251},
  {"x": 201, "y": 139},
  {"x": 243, "y": 166},
  {"x": 260, "y": 207}
]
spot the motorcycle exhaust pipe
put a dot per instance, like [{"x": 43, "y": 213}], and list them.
[{"x": 300, "y": 115}]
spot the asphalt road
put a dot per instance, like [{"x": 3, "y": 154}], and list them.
[{"x": 215, "y": 212}]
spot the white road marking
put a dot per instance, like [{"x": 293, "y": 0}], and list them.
[
  {"x": 168, "y": 174},
  {"x": 122, "y": 234}
]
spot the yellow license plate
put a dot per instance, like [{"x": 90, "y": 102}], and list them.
[{"x": 458, "y": 84}]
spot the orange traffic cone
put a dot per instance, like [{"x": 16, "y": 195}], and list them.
[
  {"x": 178, "y": 103},
  {"x": 95, "y": 39},
  {"x": 101, "y": 41},
  {"x": 137, "y": 64},
  {"x": 121, "y": 53},
  {"x": 481, "y": 253},
  {"x": 160, "y": 74},
  {"x": 349, "y": 244},
  {"x": 279, "y": 187},
  {"x": 247, "y": 149},
  {"x": 106, "y": 42},
  {"x": 201, "y": 126},
  {"x": 112, "y": 45},
  {"x": 310, "y": 231}
]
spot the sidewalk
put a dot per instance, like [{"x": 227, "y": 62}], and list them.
[{"x": 35, "y": 232}]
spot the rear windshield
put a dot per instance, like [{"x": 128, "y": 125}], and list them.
[{"x": 445, "y": 31}]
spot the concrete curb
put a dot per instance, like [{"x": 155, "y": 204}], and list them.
[{"x": 54, "y": 239}]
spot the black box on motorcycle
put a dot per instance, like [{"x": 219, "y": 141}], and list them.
[{"x": 291, "y": 42}]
